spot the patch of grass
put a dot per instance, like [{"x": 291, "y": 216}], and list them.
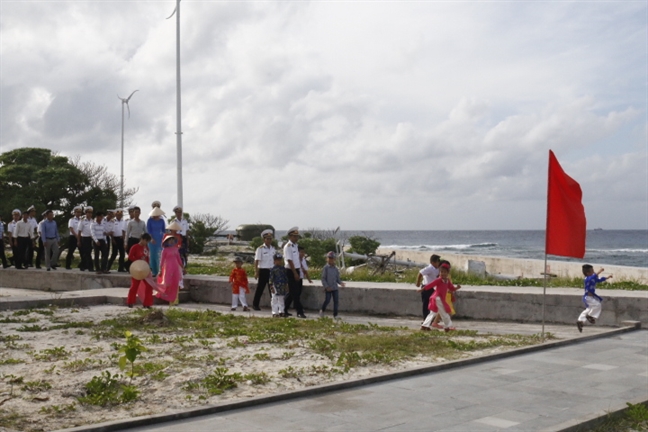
[
  {"x": 634, "y": 419},
  {"x": 154, "y": 370},
  {"x": 107, "y": 390},
  {"x": 215, "y": 383},
  {"x": 36, "y": 386},
  {"x": 14, "y": 421},
  {"x": 58, "y": 410},
  {"x": 11, "y": 361},
  {"x": 82, "y": 365},
  {"x": 52, "y": 354},
  {"x": 261, "y": 356},
  {"x": 290, "y": 372},
  {"x": 261, "y": 378},
  {"x": 18, "y": 320}
]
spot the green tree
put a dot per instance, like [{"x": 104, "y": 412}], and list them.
[
  {"x": 203, "y": 227},
  {"x": 363, "y": 245},
  {"x": 40, "y": 177}
]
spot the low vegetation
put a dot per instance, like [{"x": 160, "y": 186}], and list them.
[{"x": 129, "y": 359}]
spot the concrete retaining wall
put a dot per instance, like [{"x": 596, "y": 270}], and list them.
[
  {"x": 563, "y": 305},
  {"x": 531, "y": 268}
]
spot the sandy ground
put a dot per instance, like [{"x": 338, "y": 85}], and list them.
[{"x": 85, "y": 357}]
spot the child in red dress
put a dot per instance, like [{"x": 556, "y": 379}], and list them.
[
  {"x": 438, "y": 303},
  {"x": 238, "y": 279},
  {"x": 140, "y": 251}
]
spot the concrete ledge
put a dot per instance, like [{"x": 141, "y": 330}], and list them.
[
  {"x": 517, "y": 304},
  {"x": 327, "y": 388},
  {"x": 590, "y": 422}
]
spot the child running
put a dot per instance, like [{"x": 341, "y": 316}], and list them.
[
  {"x": 238, "y": 279},
  {"x": 330, "y": 282},
  {"x": 278, "y": 286},
  {"x": 427, "y": 275},
  {"x": 438, "y": 303},
  {"x": 592, "y": 301}
]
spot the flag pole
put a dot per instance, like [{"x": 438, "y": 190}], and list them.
[{"x": 544, "y": 284}]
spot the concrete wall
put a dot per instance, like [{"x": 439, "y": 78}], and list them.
[
  {"x": 531, "y": 268},
  {"x": 563, "y": 305}
]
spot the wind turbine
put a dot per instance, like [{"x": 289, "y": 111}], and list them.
[
  {"x": 121, "y": 190},
  {"x": 176, "y": 11}
]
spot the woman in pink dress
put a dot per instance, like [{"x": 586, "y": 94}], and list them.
[{"x": 171, "y": 270}]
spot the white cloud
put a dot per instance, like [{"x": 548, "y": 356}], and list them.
[{"x": 365, "y": 115}]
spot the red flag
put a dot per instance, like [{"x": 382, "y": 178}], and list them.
[{"x": 566, "y": 222}]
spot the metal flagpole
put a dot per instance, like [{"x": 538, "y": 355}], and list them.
[
  {"x": 178, "y": 104},
  {"x": 545, "y": 273}
]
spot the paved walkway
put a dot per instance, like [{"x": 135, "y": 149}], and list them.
[{"x": 539, "y": 391}]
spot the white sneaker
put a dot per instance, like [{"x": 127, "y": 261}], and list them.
[{"x": 321, "y": 313}]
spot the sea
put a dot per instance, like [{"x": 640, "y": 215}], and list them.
[{"x": 617, "y": 247}]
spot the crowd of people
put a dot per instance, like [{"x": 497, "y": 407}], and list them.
[{"x": 101, "y": 238}]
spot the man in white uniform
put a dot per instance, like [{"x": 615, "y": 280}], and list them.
[
  {"x": 263, "y": 263},
  {"x": 293, "y": 264}
]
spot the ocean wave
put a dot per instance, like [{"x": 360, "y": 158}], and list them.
[{"x": 444, "y": 247}]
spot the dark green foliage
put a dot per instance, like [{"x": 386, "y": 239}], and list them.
[
  {"x": 106, "y": 390},
  {"x": 363, "y": 245},
  {"x": 317, "y": 249}
]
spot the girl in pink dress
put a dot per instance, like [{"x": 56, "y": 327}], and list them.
[
  {"x": 171, "y": 270},
  {"x": 438, "y": 302}
]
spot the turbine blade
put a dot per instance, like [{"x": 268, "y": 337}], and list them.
[
  {"x": 128, "y": 107},
  {"x": 131, "y": 95},
  {"x": 172, "y": 13}
]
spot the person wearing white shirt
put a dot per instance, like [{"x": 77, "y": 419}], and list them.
[
  {"x": 292, "y": 264},
  {"x": 2, "y": 246},
  {"x": 98, "y": 229},
  {"x": 117, "y": 240},
  {"x": 73, "y": 244},
  {"x": 84, "y": 238},
  {"x": 427, "y": 275},
  {"x": 184, "y": 223},
  {"x": 37, "y": 244},
  {"x": 23, "y": 236},
  {"x": 263, "y": 263},
  {"x": 16, "y": 215}
]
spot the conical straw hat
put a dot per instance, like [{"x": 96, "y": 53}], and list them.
[
  {"x": 139, "y": 269},
  {"x": 156, "y": 212},
  {"x": 175, "y": 226}
]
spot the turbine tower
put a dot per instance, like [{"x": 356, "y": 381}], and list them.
[{"x": 121, "y": 187}]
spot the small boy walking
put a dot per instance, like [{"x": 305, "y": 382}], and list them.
[
  {"x": 330, "y": 282},
  {"x": 278, "y": 281},
  {"x": 238, "y": 279},
  {"x": 427, "y": 275},
  {"x": 592, "y": 301}
]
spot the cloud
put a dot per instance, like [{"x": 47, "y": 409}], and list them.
[{"x": 365, "y": 115}]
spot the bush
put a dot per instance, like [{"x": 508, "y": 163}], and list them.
[
  {"x": 317, "y": 249},
  {"x": 363, "y": 245},
  {"x": 203, "y": 227}
]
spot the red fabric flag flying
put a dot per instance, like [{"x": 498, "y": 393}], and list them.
[{"x": 566, "y": 224}]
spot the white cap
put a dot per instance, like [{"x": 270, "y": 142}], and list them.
[
  {"x": 88, "y": 208},
  {"x": 31, "y": 208},
  {"x": 266, "y": 232},
  {"x": 111, "y": 210},
  {"x": 16, "y": 211},
  {"x": 177, "y": 208},
  {"x": 293, "y": 230}
]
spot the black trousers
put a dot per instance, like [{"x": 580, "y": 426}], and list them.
[
  {"x": 131, "y": 242},
  {"x": 72, "y": 246},
  {"x": 85, "y": 248},
  {"x": 21, "y": 252},
  {"x": 100, "y": 249},
  {"x": 264, "y": 277},
  {"x": 425, "y": 298},
  {"x": 14, "y": 252},
  {"x": 40, "y": 253},
  {"x": 2, "y": 253},
  {"x": 117, "y": 247},
  {"x": 294, "y": 293}
]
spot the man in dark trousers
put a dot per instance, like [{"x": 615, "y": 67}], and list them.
[{"x": 263, "y": 263}]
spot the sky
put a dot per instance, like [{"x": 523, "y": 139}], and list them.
[{"x": 367, "y": 115}]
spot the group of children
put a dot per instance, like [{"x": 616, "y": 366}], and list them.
[
  {"x": 437, "y": 292},
  {"x": 278, "y": 282}
]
